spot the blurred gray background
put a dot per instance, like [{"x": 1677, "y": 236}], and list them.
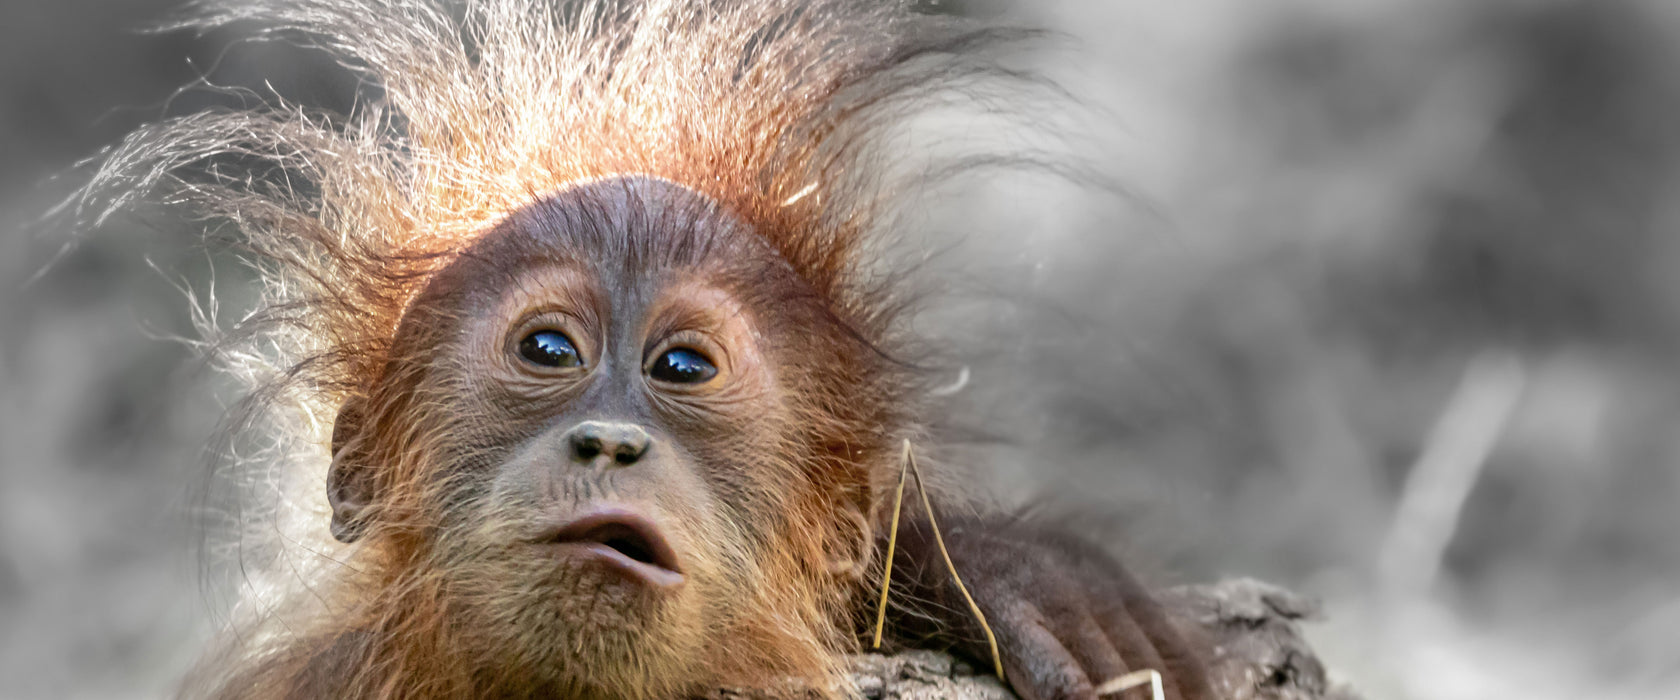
[{"x": 1391, "y": 316}]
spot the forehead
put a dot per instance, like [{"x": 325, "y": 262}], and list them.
[{"x": 623, "y": 232}]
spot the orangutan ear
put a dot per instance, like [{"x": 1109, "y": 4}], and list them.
[
  {"x": 350, "y": 483},
  {"x": 848, "y": 555}
]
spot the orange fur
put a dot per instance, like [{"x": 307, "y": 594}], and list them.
[{"x": 779, "y": 110}]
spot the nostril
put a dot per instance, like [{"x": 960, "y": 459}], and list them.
[
  {"x": 632, "y": 444},
  {"x": 586, "y": 450}
]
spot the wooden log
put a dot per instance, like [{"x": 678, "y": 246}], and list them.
[{"x": 1252, "y": 629}]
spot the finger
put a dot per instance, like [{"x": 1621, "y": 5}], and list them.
[
  {"x": 1181, "y": 668},
  {"x": 1091, "y": 647},
  {"x": 1036, "y": 664},
  {"x": 1181, "y": 664},
  {"x": 1140, "y": 629},
  {"x": 1136, "y": 647}
]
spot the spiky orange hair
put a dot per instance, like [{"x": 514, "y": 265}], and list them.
[{"x": 775, "y": 108}]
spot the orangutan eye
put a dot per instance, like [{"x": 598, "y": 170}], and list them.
[
  {"x": 682, "y": 366},
  {"x": 549, "y": 349}
]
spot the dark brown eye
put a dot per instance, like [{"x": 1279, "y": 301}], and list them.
[
  {"x": 682, "y": 366},
  {"x": 549, "y": 349}
]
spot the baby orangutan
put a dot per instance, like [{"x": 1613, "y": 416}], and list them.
[
  {"x": 618, "y": 450},
  {"x": 619, "y": 391}
]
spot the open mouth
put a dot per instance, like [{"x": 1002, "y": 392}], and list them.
[{"x": 622, "y": 539}]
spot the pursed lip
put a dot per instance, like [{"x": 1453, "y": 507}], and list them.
[{"x": 618, "y": 537}]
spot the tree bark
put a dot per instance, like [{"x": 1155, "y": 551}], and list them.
[{"x": 1252, "y": 629}]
